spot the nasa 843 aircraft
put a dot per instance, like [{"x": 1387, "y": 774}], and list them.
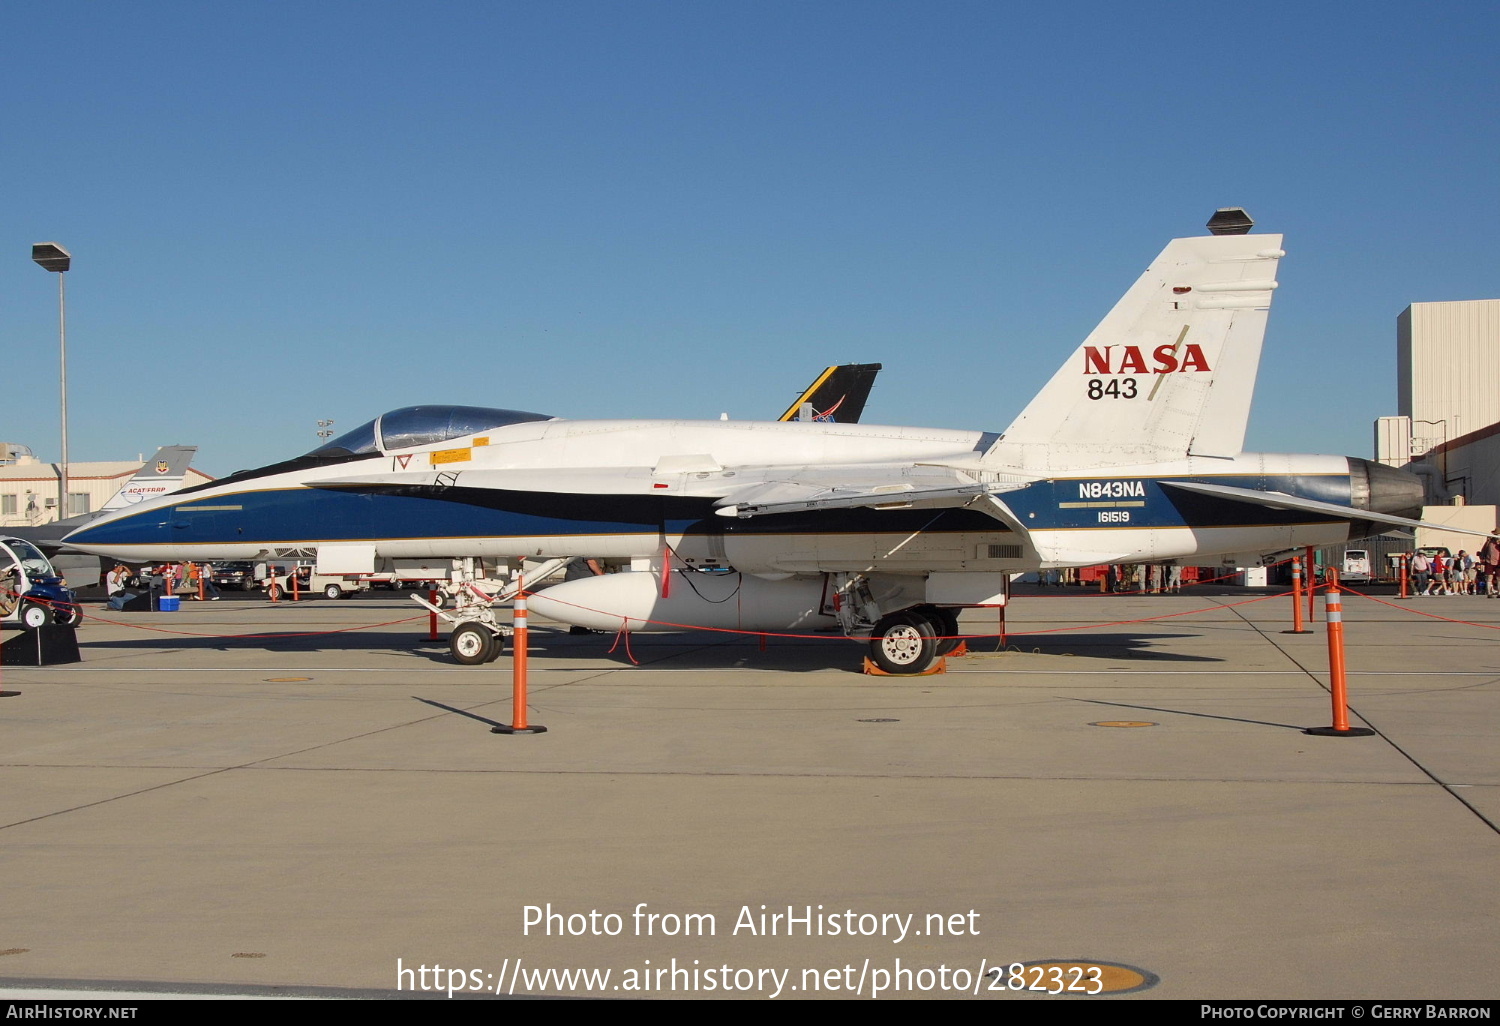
[{"x": 1131, "y": 453}]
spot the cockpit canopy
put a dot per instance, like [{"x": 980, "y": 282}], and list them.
[{"x": 412, "y": 426}]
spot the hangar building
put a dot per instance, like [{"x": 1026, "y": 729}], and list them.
[{"x": 1448, "y": 397}]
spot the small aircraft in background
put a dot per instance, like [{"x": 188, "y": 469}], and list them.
[{"x": 1132, "y": 452}]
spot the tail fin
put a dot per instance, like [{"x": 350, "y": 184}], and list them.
[
  {"x": 162, "y": 473},
  {"x": 838, "y": 394},
  {"x": 1170, "y": 371}
]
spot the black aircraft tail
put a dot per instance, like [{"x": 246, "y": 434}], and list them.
[{"x": 838, "y": 394}]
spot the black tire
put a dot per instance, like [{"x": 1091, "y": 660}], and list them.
[
  {"x": 902, "y": 643},
  {"x": 34, "y": 615},
  {"x": 945, "y": 624},
  {"x": 497, "y": 649},
  {"x": 471, "y": 644},
  {"x": 67, "y": 614},
  {"x": 333, "y": 591}
]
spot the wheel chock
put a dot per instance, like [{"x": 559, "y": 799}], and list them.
[
  {"x": 961, "y": 649},
  {"x": 941, "y": 666}
]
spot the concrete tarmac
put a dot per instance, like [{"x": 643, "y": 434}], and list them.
[{"x": 194, "y": 810}]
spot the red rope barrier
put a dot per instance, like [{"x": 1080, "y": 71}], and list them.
[
  {"x": 1420, "y": 612},
  {"x": 622, "y": 633}
]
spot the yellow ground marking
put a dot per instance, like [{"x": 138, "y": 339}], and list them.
[{"x": 1114, "y": 977}]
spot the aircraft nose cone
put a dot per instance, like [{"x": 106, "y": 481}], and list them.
[
  {"x": 116, "y": 534},
  {"x": 1382, "y": 489},
  {"x": 79, "y": 538}
]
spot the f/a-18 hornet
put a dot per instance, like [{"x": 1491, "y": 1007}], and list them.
[{"x": 1132, "y": 452}]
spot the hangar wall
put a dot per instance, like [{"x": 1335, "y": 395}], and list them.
[{"x": 1448, "y": 395}]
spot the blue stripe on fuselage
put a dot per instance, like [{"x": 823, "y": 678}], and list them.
[
  {"x": 294, "y": 515},
  {"x": 1143, "y": 502}
]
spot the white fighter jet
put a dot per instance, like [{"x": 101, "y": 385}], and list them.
[{"x": 1131, "y": 453}]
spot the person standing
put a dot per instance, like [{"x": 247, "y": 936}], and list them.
[
  {"x": 1439, "y": 575},
  {"x": 200, "y": 581},
  {"x": 1489, "y": 557},
  {"x": 1421, "y": 569},
  {"x": 1463, "y": 573}
]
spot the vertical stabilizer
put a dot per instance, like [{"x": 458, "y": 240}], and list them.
[
  {"x": 838, "y": 394},
  {"x": 1170, "y": 371},
  {"x": 162, "y": 473}
]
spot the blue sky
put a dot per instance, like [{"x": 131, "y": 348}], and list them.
[{"x": 281, "y": 212}]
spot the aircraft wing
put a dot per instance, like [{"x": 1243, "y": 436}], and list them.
[
  {"x": 888, "y": 498},
  {"x": 899, "y": 488},
  {"x": 1281, "y": 500}
]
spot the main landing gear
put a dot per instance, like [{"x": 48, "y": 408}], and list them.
[
  {"x": 911, "y": 641},
  {"x": 903, "y": 643}
]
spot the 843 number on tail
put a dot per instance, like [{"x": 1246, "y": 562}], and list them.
[{"x": 1114, "y": 388}]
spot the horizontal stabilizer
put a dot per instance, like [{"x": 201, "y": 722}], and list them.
[{"x": 1281, "y": 500}]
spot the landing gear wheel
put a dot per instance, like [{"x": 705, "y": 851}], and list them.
[
  {"x": 66, "y": 614},
  {"x": 497, "y": 647},
  {"x": 471, "y": 644},
  {"x": 34, "y": 616},
  {"x": 333, "y": 591},
  {"x": 902, "y": 643}
]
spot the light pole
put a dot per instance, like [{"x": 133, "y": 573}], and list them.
[{"x": 52, "y": 257}]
